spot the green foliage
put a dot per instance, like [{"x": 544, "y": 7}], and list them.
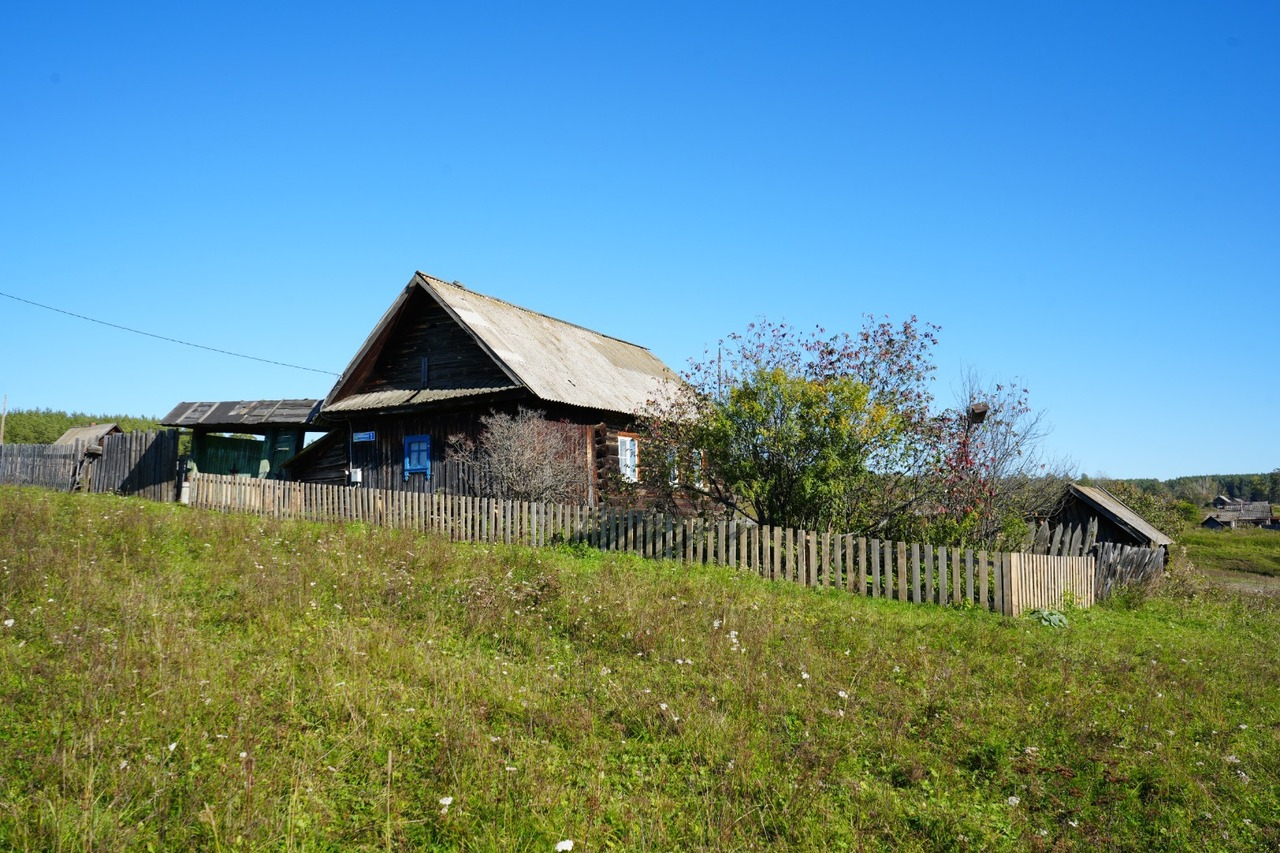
[
  {"x": 795, "y": 449},
  {"x": 1200, "y": 490},
  {"x": 45, "y": 426},
  {"x": 1047, "y": 618},
  {"x": 1162, "y": 512},
  {"x": 179, "y": 680}
]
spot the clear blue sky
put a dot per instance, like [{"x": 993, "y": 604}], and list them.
[{"x": 1083, "y": 195}]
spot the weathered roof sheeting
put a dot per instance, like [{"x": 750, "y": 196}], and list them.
[
  {"x": 555, "y": 360},
  {"x": 1120, "y": 513},
  {"x": 397, "y": 398},
  {"x": 237, "y": 414},
  {"x": 92, "y": 434}
]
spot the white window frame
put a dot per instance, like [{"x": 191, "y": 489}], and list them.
[{"x": 629, "y": 458}]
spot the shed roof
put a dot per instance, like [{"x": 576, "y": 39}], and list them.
[
  {"x": 555, "y": 360},
  {"x": 91, "y": 434},
  {"x": 398, "y": 398},
  {"x": 239, "y": 414},
  {"x": 1119, "y": 512}
]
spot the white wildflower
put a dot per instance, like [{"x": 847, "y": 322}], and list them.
[
  {"x": 1013, "y": 801},
  {"x": 8, "y": 623},
  {"x": 564, "y": 846}
]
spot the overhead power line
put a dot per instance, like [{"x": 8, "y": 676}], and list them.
[{"x": 163, "y": 338}]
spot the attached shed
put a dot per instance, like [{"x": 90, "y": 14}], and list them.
[
  {"x": 1117, "y": 522},
  {"x": 218, "y": 430},
  {"x": 443, "y": 356},
  {"x": 90, "y": 435}
]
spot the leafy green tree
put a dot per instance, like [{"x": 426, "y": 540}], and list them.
[
  {"x": 1166, "y": 514},
  {"x": 792, "y": 450},
  {"x": 804, "y": 429}
]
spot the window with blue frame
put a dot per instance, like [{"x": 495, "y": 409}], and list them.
[{"x": 417, "y": 455}]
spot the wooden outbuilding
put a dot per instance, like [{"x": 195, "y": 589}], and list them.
[
  {"x": 91, "y": 435},
  {"x": 1117, "y": 522},
  {"x": 223, "y": 434},
  {"x": 444, "y": 356}
]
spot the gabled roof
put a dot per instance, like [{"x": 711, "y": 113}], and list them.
[
  {"x": 238, "y": 414},
  {"x": 92, "y": 434},
  {"x": 1120, "y": 513},
  {"x": 554, "y": 360}
]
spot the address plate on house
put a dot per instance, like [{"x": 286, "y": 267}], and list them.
[{"x": 363, "y": 436}]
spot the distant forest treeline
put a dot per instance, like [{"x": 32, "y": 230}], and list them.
[
  {"x": 44, "y": 426},
  {"x": 1201, "y": 490}
]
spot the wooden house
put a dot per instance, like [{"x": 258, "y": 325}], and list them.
[
  {"x": 1117, "y": 522},
  {"x": 1233, "y": 513},
  {"x": 442, "y": 357},
  {"x": 224, "y": 435}
]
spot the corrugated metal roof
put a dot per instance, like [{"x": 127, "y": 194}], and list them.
[
  {"x": 1109, "y": 503},
  {"x": 556, "y": 360},
  {"x": 90, "y": 434},
  {"x": 236, "y": 414},
  {"x": 559, "y": 361},
  {"x": 396, "y": 398}
]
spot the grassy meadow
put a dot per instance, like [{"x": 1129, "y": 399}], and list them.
[
  {"x": 172, "y": 680},
  {"x": 1250, "y": 550}
]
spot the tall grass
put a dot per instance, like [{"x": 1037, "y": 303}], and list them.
[
  {"x": 175, "y": 680},
  {"x": 1245, "y": 550}
]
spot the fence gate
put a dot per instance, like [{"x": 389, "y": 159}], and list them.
[{"x": 138, "y": 463}]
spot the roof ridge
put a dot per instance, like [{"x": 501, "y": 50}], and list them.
[{"x": 433, "y": 279}]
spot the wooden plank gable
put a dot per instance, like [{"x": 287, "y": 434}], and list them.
[{"x": 424, "y": 330}]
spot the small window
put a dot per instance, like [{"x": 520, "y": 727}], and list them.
[
  {"x": 426, "y": 372},
  {"x": 629, "y": 458},
  {"x": 417, "y": 455},
  {"x": 699, "y": 466}
]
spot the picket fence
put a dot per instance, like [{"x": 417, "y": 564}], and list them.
[{"x": 1007, "y": 583}]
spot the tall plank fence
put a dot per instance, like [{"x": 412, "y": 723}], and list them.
[
  {"x": 138, "y": 463},
  {"x": 133, "y": 463},
  {"x": 52, "y": 466},
  {"x": 1007, "y": 583}
]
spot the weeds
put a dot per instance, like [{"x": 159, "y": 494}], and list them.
[{"x": 174, "y": 679}]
